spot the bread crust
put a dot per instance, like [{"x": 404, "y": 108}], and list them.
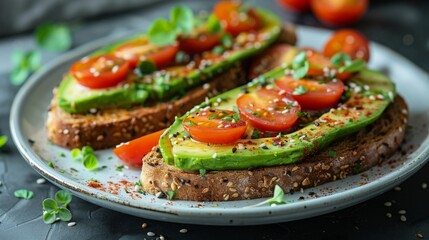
[
  {"x": 108, "y": 128},
  {"x": 354, "y": 154}
]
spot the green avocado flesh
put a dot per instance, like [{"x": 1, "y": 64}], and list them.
[
  {"x": 370, "y": 94},
  {"x": 161, "y": 85}
]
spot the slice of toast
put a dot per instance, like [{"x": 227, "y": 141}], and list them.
[
  {"x": 110, "y": 127},
  {"x": 355, "y": 153}
]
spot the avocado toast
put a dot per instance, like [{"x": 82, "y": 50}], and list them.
[
  {"x": 151, "y": 92},
  {"x": 360, "y": 131}
]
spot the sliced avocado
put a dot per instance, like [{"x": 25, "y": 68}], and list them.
[
  {"x": 75, "y": 99},
  {"x": 371, "y": 94}
]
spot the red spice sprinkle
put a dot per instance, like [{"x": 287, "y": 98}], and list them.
[{"x": 93, "y": 184}]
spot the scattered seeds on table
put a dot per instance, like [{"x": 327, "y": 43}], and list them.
[
  {"x": 40, "y": 181},
  {"x": 403, "y": 218},
  {"x": 161, "y": 237},
  {"x": 424, "y": 185},
  {"x": 389, "y": 215},
  {"x": 144, "y": 225},
  {"x": 183, "y": 230},
  {"x": 397, "y": 189},
  {"x": 420, "y": 235},
  {"x": 71, "y": 224},
  {"x": 402, "y": 212},
  {"x": 150, "y": 234},
  {"x": 388, "y": 204}
]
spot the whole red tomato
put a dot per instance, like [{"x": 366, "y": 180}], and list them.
[
  {"x": 295, "y": 5},
  {"x": 339, "y": 12}
]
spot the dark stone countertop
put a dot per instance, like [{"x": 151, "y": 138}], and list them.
[{"x": 400, "y": 25}]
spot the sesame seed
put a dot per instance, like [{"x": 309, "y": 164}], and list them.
[
  {"x": 402, "y": 211},
  {"x": 403, "y": 218},
  {"x": 389, "y": 215},
  {"x": 388, "y": 204},
  {"x": 240, "y": 146},
  {"x": 161, "y": 237},
  {"x": 397, "y": 189},
  {"x": 150, "y": 234},
  {"x": 40, "y": 181},
  {"x": 214, "y": 155},
  {"x": 71, "y": 224},
  {"x": 183, "y": 230},
  {"x": 420, "y": 235},
  {"x": 144, "y": 225},
  {"x": 424, "y": 185}
]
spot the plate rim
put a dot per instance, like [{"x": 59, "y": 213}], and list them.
[{"x": 374, "y": 188}]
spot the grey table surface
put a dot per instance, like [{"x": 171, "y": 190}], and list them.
[{"x": 400, "y": 25}]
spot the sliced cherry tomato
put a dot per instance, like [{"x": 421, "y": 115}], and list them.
[
  {"x": 347, "y": 41},
  {"x": 339, "y": 12},
  {"x": 295, "y": 5},
  {"x": 319, "y": 63},
  {"x": 200, "y": 43},
  {"x": 132, "y": 152},
  {"x": 100, "y": 72},
  {"x": 312, "y": 94},
  {"x": 140, "y": 49},
  {"x": 268, "y": 110},
  {"x": 215, "y": 126},
  {"x": 272, "y": 57},
  {"x": 235, "y": 19}
]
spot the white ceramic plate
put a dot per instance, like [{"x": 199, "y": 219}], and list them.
[{"x": 29, "y": 113}]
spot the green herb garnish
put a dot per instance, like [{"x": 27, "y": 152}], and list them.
[
  {"x": 300, "y": 65},
  {"x": 227, "y": 41},
  {"x": 24, "y": 194},
  {"x": 299, "y": 90},
  {"x": 52, "y": 210},
  {"x": 182, "y": 19},
  {"x": 255, "y": 134},
  {"x": 87, "y": 156},
  {"x": 277, "y": 199},
  {"x": 146, "y": 67},
  {"x": 53, "y": 37},
  {"x": 332, "y": 154},
  {"x": 213, "y": 116},
  {"x": 340, "y": 59},
  {"x": 354, "y": 66},
  {"x": 119, "y": 168},
  {"x": 162, "y": 33},
  {"x": 214, "y": 25},
  {"x": 170, "y": 194},
  {"x": 3, "y": 140},
  {"x": 189, "y": 123},
  {"x": 51, "y": 164},
  {"x": 23, "y": 64},
  {"x": 90, "y": 161}
]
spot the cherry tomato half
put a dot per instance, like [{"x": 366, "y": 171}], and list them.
[
  {"x": 133, "y": 151},
  {"x": 295, "y": 5},
  {"x": 273, "y": 57},
  {"x": 319, "y": 63},
  {"x": 200, "y": 43},
  {"x": 215, "y": 126},
  {"x": 339, "y": 12},
  {"x": 312, "y": 94},
  {"x": 268, "y": 110},
  {"x": 100, "y": 72},
  {"x": 235, "y": 19},
  {"x": 140, "y": 49},
  {"x": 347, "y": 41}
]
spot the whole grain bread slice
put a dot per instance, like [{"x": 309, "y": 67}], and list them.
[
  {"x": 354, "y": 154},
  {"x": 110, "y": 127}
]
